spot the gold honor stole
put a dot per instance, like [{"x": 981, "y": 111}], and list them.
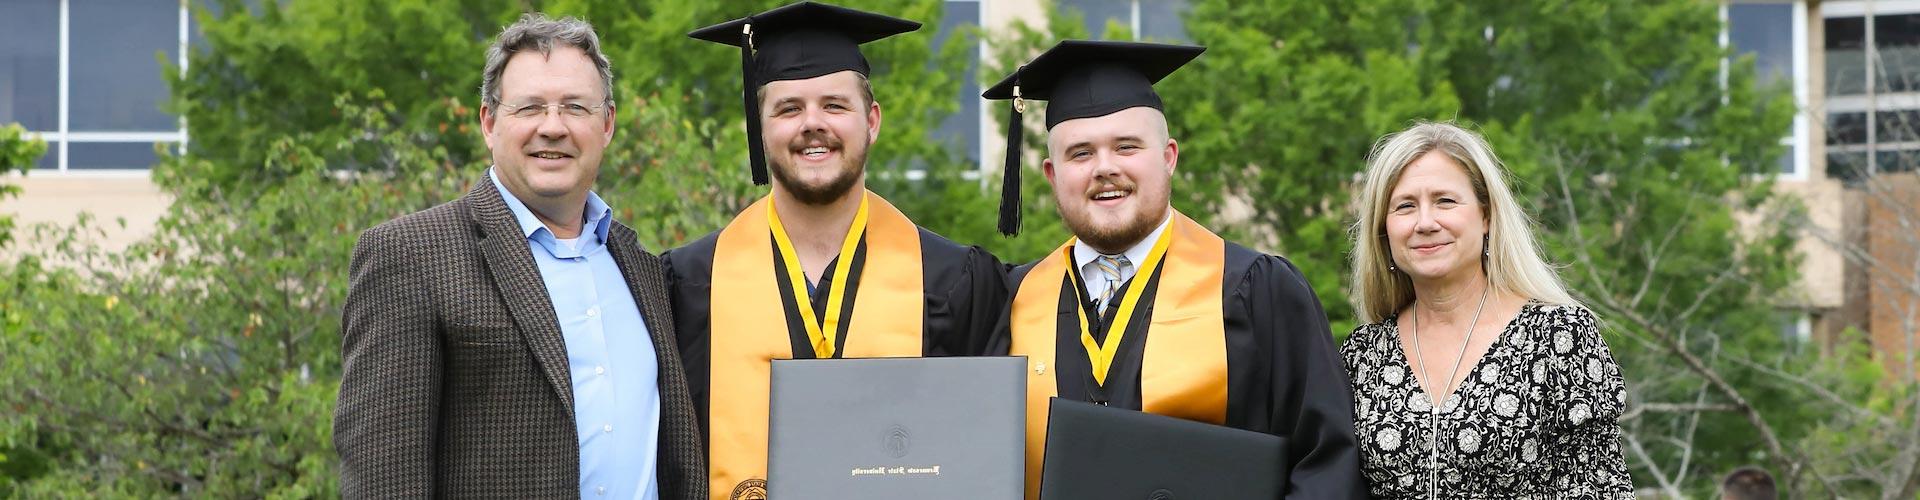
[
  {"x": 1184, "y": 370},
  {"x": 750, "y": 330}
]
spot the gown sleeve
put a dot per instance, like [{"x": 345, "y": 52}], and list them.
[
  {"x": 689, "y": 281},
  {"x": 965, "y": 310},
  {"x": 1312, "y": 401}
]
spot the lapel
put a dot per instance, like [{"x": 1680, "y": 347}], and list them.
[
  {"x": 642, "y": 274},
  {"x": 646, "y": 280},
  {"x": 508, "y": 260},
  {"x": 681, "y": 466}
]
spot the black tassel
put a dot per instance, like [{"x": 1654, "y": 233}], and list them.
[
  {"x": 756, "y": 152},
  {"x": 1010, "y": 182}
]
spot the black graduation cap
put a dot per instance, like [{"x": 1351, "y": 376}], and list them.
[
  {"x": 1080, "y": 79},
  {"x": 797, "y": 42}
]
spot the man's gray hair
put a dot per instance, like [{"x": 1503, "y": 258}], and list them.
[{"x": 534, "y": 31}]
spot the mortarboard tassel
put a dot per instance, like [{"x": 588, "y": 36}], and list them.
[
  {"x": 756, "y": 152},
  {"x": 1010, "y": 182}
]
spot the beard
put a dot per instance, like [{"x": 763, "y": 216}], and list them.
[
  {"x": 833, "y": 189},
  {"x": 1115, "y": 237}
]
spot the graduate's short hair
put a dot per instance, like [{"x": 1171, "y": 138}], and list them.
[
  {"x": 535, "y": 31},
  {"x": 1513, "y": 264}
]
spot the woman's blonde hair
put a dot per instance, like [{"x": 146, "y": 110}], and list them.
[{"x": 1513, "y": 264}]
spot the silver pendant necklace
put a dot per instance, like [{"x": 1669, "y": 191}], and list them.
[{"x": 1433, "y": 415}]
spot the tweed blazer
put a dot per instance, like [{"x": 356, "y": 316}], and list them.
[{"x": 454, "y": 380}]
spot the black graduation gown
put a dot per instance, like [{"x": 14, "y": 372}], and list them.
[
  {"x": 1284, "y": 374},
  {"x": 964, "y": 287}
]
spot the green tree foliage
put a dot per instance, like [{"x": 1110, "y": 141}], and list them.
[
  {"x": 17, "y": 154},
  {"x": 204, "y": 360}
]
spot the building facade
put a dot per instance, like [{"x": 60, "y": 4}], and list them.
[
  {"x": 1854, "y": 69},
  {"x": 86, "y": 76}
]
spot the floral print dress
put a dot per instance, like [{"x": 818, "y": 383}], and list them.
[{"x": 1537, "y": 416}]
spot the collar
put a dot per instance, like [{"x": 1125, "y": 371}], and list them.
[
  {"x": 596, "y": 213},
  {"x": 1083, "y": 255}
]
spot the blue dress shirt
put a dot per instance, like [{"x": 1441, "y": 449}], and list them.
[{"x": 610, "y": 355}]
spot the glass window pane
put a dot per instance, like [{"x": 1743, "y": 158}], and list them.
[
  {"x": 1785, "y": 163},
  {"x": 1766, "y": 32},
  {"x": 1846, "y": 166},
  {"x": 1790, "y": 328},
  {"x": 962, "y": 128},
  {"x": 1852, "y": 166},
  {"x": 1160, "y": 20},
  {"x": 115, "y": 71},
  {"x": 1099, "y": 12},
  {"x": 1896, "y": 125},
  {"x": 1846, "y": 128},
  {"x": 1896, "y": 160},
  {"x": 1846, "y": 56},
  {"x": 111, "y": 155},
  {"x": 1898, "y": 39},
  {"x": 51, "y": 159},
  {"x": 30, "y": 63}
]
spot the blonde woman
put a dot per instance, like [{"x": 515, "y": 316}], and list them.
[{"x": 1475, "y": 374}]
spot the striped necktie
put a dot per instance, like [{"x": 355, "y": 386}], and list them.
[{"x": 1109, "y": 266}]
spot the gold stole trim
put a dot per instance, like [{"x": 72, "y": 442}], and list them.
[
  {"x": 1184, "y": 370},
  {"x": 752, "y": 330}
]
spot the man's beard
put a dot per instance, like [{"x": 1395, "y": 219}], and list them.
[
  {"x": 827, "y": 192},
  {"x": 1113, "y": 239}
]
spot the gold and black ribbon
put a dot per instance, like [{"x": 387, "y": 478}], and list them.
[
  {"x": 1100, "y": 352},
  {"x": 821, "y": 332}
]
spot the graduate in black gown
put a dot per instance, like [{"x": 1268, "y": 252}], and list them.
[
  {"x": 1176, "y": 320},
  {"x": 821, "y": 267}
]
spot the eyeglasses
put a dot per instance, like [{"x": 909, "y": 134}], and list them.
[{"x": 567, "y": 110}]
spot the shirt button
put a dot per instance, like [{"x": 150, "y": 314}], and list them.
[
  {"x": 607, "y": 428},
  {"x": 593, "y": 311},
  {"x": 600, "y": 491},
  {"x": 598, "y": 370}
]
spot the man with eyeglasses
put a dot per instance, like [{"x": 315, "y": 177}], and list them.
[{"x": 517, "y": 342}]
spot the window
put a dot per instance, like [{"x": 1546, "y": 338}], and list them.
[
  {"x": 1771, "y": 34},
  {"x": 1796, "y": 327},
  {"x": 1158, "y": 20},
  {"x": 29, "y": 67},
  {"x": 1162, "y": 20},
  {"x": 85, "y": 75},
  {"x": 962, "y": 129},
  {"x": 114, "y": 58},
  {"x": 1873, "y": 87},
  {"x": 1765, "y": 31}
]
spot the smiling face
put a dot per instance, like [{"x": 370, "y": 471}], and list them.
[
  {"x": 817, "y": 132},
  {"x": 551, "y": 154},
  {"x": 1436, "y": 224},
  {"x": 1112, "y": 175}
]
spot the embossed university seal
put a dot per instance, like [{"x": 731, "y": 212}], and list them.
[
  {"x": 751, "y": 489},
  {"x": 897, "y": 442}
]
